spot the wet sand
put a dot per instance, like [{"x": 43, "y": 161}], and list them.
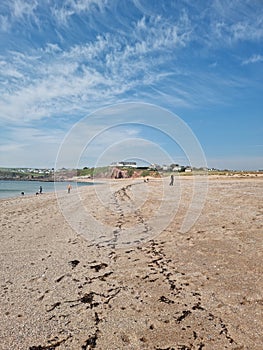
[{"x": 123, "y": 284}]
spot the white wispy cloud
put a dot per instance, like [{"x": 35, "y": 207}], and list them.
[
  {"x": 50, "y": 80},
  {"x": 22, "y": 8},
  {"x": 225, "y": 23},
  {"x": 253, "y": 59},
  {"x": 247, "y": 30},
  {"x": 4, "y": 23},
  {"x": 71, "y": 7},
  {"x": 58, "y": 81},
  {"x": 228, "y": 34},
  {"x": 86, "y": 5}
]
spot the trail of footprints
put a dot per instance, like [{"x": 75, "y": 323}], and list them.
[
  {"x": 91, "y": 302},
  {"x": 134, "y": 214},
  {"x": 94, "y": 302},
  {"x": 126, "y": 216},
  {"x": 185, "y": 315}
]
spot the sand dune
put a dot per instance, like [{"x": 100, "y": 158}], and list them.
[{"x": 109, "y": 267}]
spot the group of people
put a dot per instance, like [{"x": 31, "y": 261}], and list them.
[{"x": 41, "y": 190}]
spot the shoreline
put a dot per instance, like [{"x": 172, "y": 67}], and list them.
[
  {"x": 16, "y": 192},
  {"x": 99, "y": 181}
]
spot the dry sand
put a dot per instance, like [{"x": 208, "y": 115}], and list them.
[{"x": 62, "y": 289}]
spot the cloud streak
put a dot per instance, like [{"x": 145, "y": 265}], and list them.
[
  {"x": 104, "y": 70},
  {"x": 253, "y": 59}
]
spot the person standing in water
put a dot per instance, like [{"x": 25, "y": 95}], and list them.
[
  {"x": 40, "y": 189},
  {"x": 69, "y": 188}
]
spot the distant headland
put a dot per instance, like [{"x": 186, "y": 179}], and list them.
[{"x": 117, "y": 170}]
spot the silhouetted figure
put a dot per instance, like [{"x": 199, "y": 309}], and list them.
[
  {"x": 172, "y": 180},
  {"x": 40, "y": 189}
]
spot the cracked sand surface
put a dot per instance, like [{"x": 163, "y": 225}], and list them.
[{"x": 198, "y": 290}]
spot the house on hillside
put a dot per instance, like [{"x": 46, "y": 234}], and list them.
[
  {"x": 177, "y": 168},
  {"x": 124, "y": 164}
]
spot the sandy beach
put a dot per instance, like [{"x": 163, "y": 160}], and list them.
[{"x": 110, "y": 268}]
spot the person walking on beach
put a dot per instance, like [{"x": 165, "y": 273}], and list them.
[
  {"x": 69, "y": 188},
  {"x": 40, "y": 189},
  {"x": 172, "y": 180}
]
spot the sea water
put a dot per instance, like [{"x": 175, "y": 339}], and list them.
[{"x": 10, "y": 189}]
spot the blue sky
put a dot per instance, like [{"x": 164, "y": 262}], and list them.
[{"x": 61, "y": 61}]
